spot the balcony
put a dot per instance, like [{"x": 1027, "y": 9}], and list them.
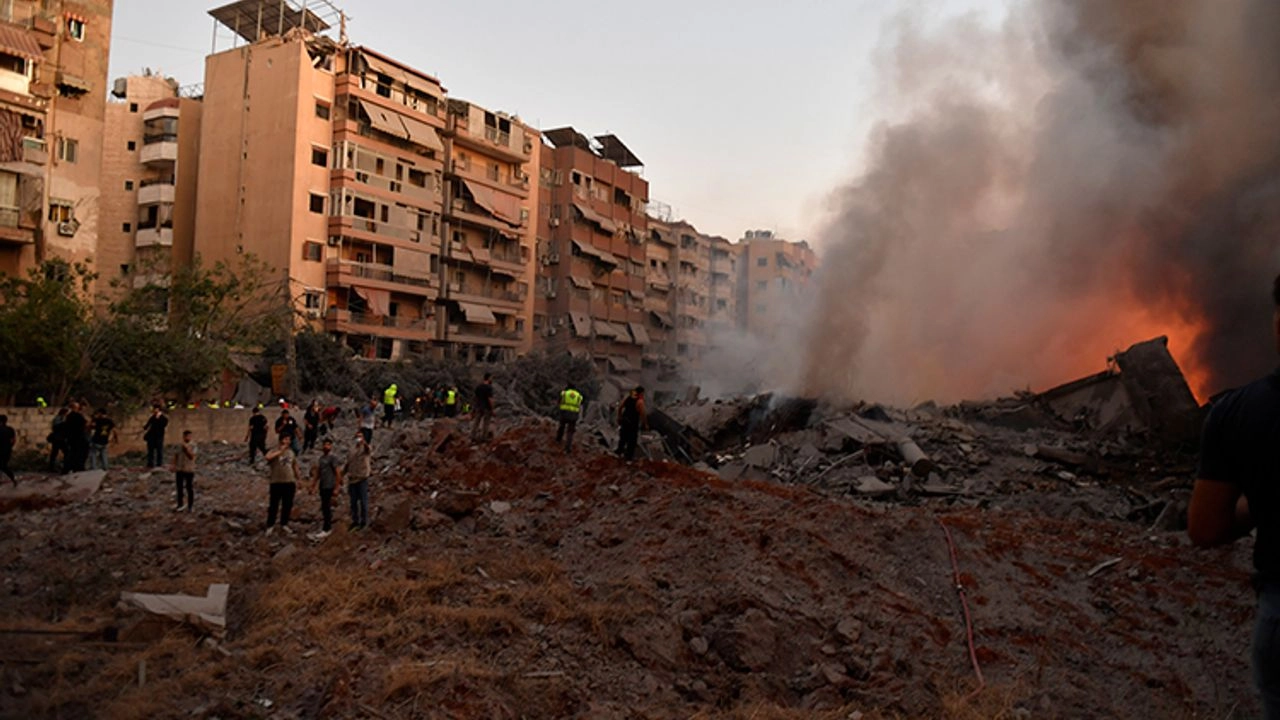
[
  {"x": 155, "y": 191},
  {"x": 486, "y": 296},
  {"x": 404, "y": 328},
  {"x": 484, "y": 334},
  {"x": 153, "y": 237},
  {"x": 357, "y": 223},
  {"x": 347, "y": 272},
  {"x": 160, "y": 149}
]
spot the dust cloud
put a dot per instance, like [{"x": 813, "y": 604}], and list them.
[{"x": 1087, "y": 175}]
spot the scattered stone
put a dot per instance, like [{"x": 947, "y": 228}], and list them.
[
  {"x": 499, "y": 507},
  {"x": 872, "y": 486}
]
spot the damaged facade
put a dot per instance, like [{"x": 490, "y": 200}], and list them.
[{"x": 53, "y": 74}]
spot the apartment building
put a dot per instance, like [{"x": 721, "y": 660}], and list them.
[
  {"x": 591, "y": 244},
  {"x": 659, "y": 300},
  {"x": 400, "y": 218},
  {"x": 53, "y": 75},
  {"x": 691, "y": 292},
  {"x": 722, "y": 290},
  {"x": 773, "y": 275},
  {"x": 150, "y": 164}
]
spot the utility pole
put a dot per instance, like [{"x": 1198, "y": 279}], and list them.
[{"x": 290, "y": 346}]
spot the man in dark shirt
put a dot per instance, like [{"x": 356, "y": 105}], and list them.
[
  {"x": 8, "y": 438},
  {"x": 256, "y": 436},
  {"x": 1238, "y": 485},
  {"x": 286, "y": 426},
  {"x": 75, "y": 430},
  {"x": 104, "y": 430},
  {"x": 631, "y": 415},
  {"x": 153, "y": 433},
  {"x": 482, "y": 413}
]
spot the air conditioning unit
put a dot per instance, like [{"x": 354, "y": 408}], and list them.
[
  {"x": 68, "y": 229},
  {"x": 553, "y": 258},
  {"x": 314, "y": 313},
  {"x": 551, "y": 294},
  {"x": 333, "y": 241},
  {"x": 554, "y": 222}
]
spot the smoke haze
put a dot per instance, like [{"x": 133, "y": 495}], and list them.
[{"x": 1089, "y": 175}]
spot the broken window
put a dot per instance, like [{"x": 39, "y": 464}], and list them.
[
  {"x": 75, "y": 28},
  {"x": 13, "y": 64},
  {"x": 364, "y": 208},
  {"x": 322, "y": 111},
  {"x": 161, "y": 129},
  {"x": 417, "y": 178}
]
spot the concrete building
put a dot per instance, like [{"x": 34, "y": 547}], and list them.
[
  {"x": 401, "y": 219},
  {"x": 591, "y": 245},
  {"x": 659, "y": 300},
  {"x": 148, "y": 186},
  {"x": 53, "y": 76},
  {"x": 722, "y": 290},
  {"x": 773, "y": 275},
  {"x": 691, "y": 285}
]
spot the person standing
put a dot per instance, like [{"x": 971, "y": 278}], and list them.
[
  {"x": 451, "y": 401},
  {"x": 359, "y": 468},
  {"x": 184, "y": 471},
  {"x": 311, "y": 426},
  {"x": 570, "y": 410},
  {"x": 368, "y": 420},
  {"x": 256, "y": 435},
  {"x": 326, "y": 476},
  {"x": 104, "y": 433},
  {"x": 1235, "y": 490},
  {"x": 287, "y": 427},
  {"x": 75, "y": 432},
  {"x": 283, "y": 475},
  {"x": 482, "y": 413},
  {"x": 389, "y": 404},
  {"x": 631, "y": 416},
  {"x": 153, "y": 433},
  {"x": 8, "y": 438},
  {"x": 57, "y": 439}
]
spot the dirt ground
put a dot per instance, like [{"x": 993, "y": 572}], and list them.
[{"x": 509, "y": 581}]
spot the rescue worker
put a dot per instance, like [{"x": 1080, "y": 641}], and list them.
[
  {"x": 570, "y": 410},
  {"x": 389, "y": 404},
  {"x": 483, "y": 414},
  {"x": 451, "y": 401},
  {"x": 631, "y": 416}
]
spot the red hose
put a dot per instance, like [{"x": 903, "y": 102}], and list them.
[{"x": 964, "y": 603}]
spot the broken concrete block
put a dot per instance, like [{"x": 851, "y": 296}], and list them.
[
  {"x": 873, "y": 486},
  {"x": 208, "y": 612},
  {"x": 761, "y": 456},
  {"x": 499, "y": 507}
]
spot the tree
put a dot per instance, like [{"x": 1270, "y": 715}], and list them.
[{"x": 46, "y": 323}]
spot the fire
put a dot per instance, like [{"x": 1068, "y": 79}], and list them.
[{"x": 1137, "y": 323}]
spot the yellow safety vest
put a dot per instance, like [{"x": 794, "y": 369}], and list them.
[
  {"x": 451, "y": 398},
  {"x": 389, "y": 397},
  {"x": 571, "y": 400}
]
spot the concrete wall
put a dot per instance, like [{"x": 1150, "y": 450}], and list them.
[{"x": 33, "y": 425}]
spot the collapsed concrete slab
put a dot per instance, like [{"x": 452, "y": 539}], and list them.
[{"x": 207, "y": 613}]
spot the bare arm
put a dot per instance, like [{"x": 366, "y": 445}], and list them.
[{"x": 1219, "y": 514}]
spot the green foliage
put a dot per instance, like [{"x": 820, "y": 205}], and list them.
[{"x": 46, "y": 321}]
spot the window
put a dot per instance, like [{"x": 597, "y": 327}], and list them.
[
  {"x": 133, "y": 107},
  {"x": 312, "y": 251},
  {"x": 317, "y": 203},
  {"x": 68, "y": 149},
  {"x": 312, "y": 297},
  {"x": 319, "y": 157},
  {"x": 417, "y": 178},
  {"x": 132, "y": 145},
  {"x": 13, "y": 63},
  {"x": 762, "y": 262},
  {"x": 75, "y": 28},
  {"x": 127, "y": 227},
  {"x": 128, "y": 184},
  {"x": 322, "y": 111},
  {"x": 762, "y": 284},
  {"x": 9, "y": 210},
  {"x": 60, "y": 211}
]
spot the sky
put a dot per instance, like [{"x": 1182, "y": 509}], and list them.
[{"x": 747, "y": 114}]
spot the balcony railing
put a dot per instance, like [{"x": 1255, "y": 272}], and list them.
[
  {"x": 388, "y": 321},
  {"x": 383, "y": 273},
  {"x": 369, "y": 225},
  {"x": 494, "y": 135},
  {"x": 9, "y": 217},
  {"x": 503, "y": 295},
  {"x": 485, "y": 331}
]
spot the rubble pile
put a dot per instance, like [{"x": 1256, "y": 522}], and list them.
[{"x": 507, "y": 579}]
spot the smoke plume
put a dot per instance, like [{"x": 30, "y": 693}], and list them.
[{"x": 1089, "y": 175}]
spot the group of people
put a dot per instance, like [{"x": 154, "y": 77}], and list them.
[{"x": 77, "y": 442}]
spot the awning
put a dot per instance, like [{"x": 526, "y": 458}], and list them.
[
  {"x": 379, "y": 301},
  {"x": 620, "y": 364},
  {"x": 495, "y": 203},
  {"x": 636, "y": 294},
  {"x": 663, "y": 319},
  {"x": 590, "y": 250},
  {"x": 620, "y": 332},
  {"x": 481, "y": 255},
  {"x": 596, "y": 218},
  {"x": 75, "y": 82},
  {"x": 422, "y": 133},
  {"x": 638, "y": 333},
  {"x": 604, "y": 329},
  {"x": 382, "y": 67},
  {"x": 384, "y": 120},
  {"x": 578, "y": 282},
  {"x": 19, "y": 41},
  {"x": 581, "y": 324},
  {"x": 478, "y": 314}
]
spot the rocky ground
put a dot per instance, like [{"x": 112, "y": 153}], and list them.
[{"x": 509, "y": 581}]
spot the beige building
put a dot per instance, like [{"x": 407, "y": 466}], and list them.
[
  {"x": 773, "y": 275},
  {"x": 401, "y": 219},
  {"x": 149, "y": 173},
  {"x": 691, "y": 284},
  {"x": 591, "y": 245},
  {"x": 53, "y": 76}
]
